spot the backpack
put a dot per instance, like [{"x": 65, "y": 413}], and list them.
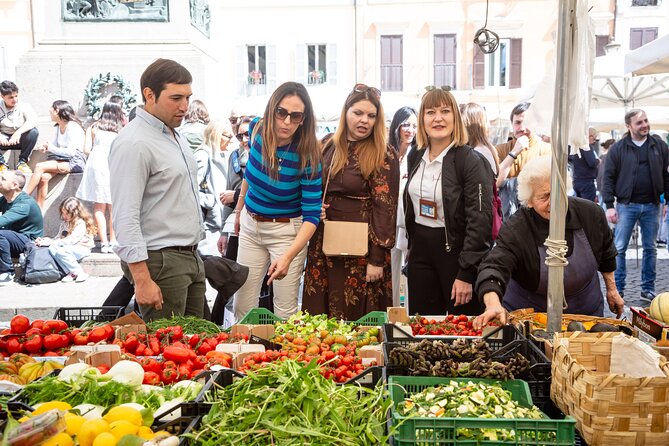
[
  {"x": 496, "y": 201},
  {"x": 40, "y": 266}
]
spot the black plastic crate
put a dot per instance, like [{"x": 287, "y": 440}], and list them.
[
  {"x": 221, "y": 378},
  {"x": 510, "y": 342},
  {"x": 18, "y": 406},
  {"x": 77, "y": 316}
]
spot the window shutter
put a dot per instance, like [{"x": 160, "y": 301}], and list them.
[
  {"x": 271, "y": 67},
  {"x": 479, "y": 68},
  {"x": 331, "y": 75},
  {"x": 241, "y": 64},
  {"x": 602, "y": 41},
  {"x": 516, "y": 56},
  {"x": 301, "y": 64}
]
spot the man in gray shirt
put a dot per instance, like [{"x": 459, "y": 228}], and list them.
[{"x": 157, "y": 216}]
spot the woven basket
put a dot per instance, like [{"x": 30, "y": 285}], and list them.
[
  {"x": 528, "y": 314},
  {"x": 609, "y": 409}
]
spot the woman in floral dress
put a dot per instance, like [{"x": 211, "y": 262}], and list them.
[{"x": 363, "y": 186}]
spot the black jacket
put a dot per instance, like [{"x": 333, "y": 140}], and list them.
[
  {"x": 584, "y": 165},
  {"x": 621, "y": 166},
  {"x": 467, "y": 200},
  {"x": 515, "y": 254}
]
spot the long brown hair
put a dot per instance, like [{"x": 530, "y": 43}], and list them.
[
  {"x": 72, "y": 206},
  {"x": 436, "y": 98},
  {"x": 371, "y": 150},
  {"x": 476, "y": 123},
  {"x": 307, "y": 145}
]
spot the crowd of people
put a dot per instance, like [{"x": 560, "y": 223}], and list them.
[{"x": 246, "y": 203}]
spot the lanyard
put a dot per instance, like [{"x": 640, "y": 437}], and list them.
[{"x": 436, "y": 183}]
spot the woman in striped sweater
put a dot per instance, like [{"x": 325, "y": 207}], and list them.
[{"x": 280, "y": 201}]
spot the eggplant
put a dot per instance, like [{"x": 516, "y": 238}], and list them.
[{"x": 576, "y": 326}]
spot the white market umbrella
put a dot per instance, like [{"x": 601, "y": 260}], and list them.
[{"x": 651, "y": 58}]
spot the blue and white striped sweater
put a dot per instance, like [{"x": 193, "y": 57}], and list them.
[{"x": 293, "y": 194}]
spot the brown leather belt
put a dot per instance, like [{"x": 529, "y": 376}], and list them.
[
  {"x": 191, "y": 248},
  {"x": 260, "y": 218}
]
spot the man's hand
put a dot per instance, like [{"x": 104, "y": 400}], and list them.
[
  {"x": 374, "y": 273},
  {"x": 278, "y": 269},
  {"x": 43, "y": 241},
  {"x": 616, "y": 302},
  {"x": 493, "y": 310},
  {"x": 522, "y": 143},
  {"x": 14, "y": 140},
  {"x": 612, "y": 215},
  {"x": 461, "y": 292},
  {"x": 44, "y": 147},
  {"x": 148, "y": 293},
  {"x": 227, "y": 197},
  {"x": 3, "y": 140},
  {"x": 222, "y": 243}
]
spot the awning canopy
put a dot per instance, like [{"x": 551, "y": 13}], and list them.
[{"x": 651, "y": 58}]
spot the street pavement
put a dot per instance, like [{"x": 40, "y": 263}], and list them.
[{"x": 42, "y": 301}]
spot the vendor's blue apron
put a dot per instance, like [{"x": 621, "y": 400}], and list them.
[{"x": 581, "y": 284}]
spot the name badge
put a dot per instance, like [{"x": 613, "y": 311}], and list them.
[{"x": 428, "y": 208}]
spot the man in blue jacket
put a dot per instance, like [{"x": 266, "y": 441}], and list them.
[
  {"x": 584, "y": 166},
  {"x": 635, "y": 176},
  {"x": 20, "y": 221}
]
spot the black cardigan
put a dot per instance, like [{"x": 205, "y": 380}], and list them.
[
  {"x": 515, "y": 253},
  {"x": 467, "y": 199}
]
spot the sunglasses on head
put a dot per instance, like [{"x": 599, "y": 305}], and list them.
[
  {"x": 434, "y": 87},
  {"x": 362, "y": 88},
  {"x": 227, "y": 136},
  {"x": 406, "y": 125},
  {"x": 240, "y": 136},
  {"x": 295, "y": 117}
]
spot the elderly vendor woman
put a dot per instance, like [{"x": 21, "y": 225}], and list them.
[{"x": 514, "y": 274}]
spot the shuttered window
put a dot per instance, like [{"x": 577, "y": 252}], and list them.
[
  {"x": 444, "y": 60},
  {"x": 601, "y": 42},
  {"x": 391, "y": 63},
  {"x": 316, "y": 64},
  {"x": 257, "y": 64},
  {"x": 641, "y": 36},
  {"x": 503, "y": 68}
]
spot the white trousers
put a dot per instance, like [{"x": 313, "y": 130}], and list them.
[{"x": 260, "y": 243}]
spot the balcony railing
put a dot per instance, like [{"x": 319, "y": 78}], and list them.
[{"x": 646, "y": 2}]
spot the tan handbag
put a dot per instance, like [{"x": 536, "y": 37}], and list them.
[{"x": 344, "y": 238}]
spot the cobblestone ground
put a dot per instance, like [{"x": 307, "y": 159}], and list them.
[{"x": 633, "y": 287}]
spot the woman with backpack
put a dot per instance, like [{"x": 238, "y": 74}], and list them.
[{"x": 448, "y": 203}]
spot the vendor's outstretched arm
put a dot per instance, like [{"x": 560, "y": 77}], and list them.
[
  {"x": 493, "y": 310},
  {"x": 613, "y": 297}
]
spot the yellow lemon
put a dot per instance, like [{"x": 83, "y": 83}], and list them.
[
  {"x": 145, "y": 432},
  {"x": 105, "y": 439},
  {"x": 124, "y": 413},
  {"x": 122, "y": 427},
  {"x": 60, "y": 405},
  {"x": 91, "y": 429},
  {"x": 61, "y": 439},
  {"x": 73, "y": 423}
]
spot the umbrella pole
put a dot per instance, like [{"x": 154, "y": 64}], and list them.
[{"x": 566, "y": 34}]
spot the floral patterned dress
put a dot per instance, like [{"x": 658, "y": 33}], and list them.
[{"x": 336, "y": 285}]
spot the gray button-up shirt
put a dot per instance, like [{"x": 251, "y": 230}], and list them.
[{"x": 154, "y": 189}]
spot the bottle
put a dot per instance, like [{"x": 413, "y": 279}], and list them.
[{"x": 403, "y": 289}]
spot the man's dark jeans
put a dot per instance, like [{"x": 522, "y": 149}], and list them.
[
  {"x": 26, "y": 145},
  {"x": 12, "y": 244}
]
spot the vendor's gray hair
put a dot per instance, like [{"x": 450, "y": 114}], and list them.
[{"x": 535, "y": 172}]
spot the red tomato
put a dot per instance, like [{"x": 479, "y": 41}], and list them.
[
  {"x": 204, "y": 348},
  {"x": 80, "y": 339},
  {"x": 33, "y": 344},
  {"x": 52, "y": 342},
  {"x": 151, "y": 378},
  {"x": 19, "y": 324},
  {"x": 103, "y": 368},
  {"x": 97, "y": 334},
  {"x": 169, "y": 375},
  {"x": 14, "y": 345},
  {"x": 37, "y": 323}
]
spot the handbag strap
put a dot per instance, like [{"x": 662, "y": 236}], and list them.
[{"x": 327, "y": 182}]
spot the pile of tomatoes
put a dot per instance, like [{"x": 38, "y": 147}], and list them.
[
  {"x": 47, "y": 338},
  {"x": 451, "y": 325},
  {"x": 340, "y": 366},
  {"x": 154, "y": 344},
  {"x": 180, "y": 363}
]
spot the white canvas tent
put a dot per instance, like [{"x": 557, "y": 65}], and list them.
[{"x": 651, "y": 58}]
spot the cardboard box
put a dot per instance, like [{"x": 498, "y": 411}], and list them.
[
  {"x": 95, "y": 355},
  {"x": 650, "y": 330},
  {"x": 128, "y": 324}
]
